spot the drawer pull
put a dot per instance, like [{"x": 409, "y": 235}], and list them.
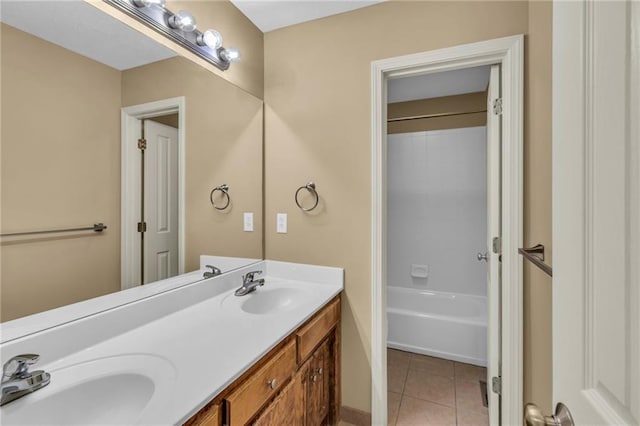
[{"x": 272, "y": 383}]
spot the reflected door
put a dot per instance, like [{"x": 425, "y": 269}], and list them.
[{"x": 160, "y": 198}]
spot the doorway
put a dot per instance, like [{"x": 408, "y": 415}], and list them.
[
  {"x": 442, "y": 215},
  {"x": 505, "y": 347},
  {"x": 153, "y": 136}
]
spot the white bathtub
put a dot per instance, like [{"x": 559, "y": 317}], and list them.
[{"x": 446, "y": 325}]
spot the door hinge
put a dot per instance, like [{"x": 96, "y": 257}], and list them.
[
  {"x": 142, "y": 226},
  {"x": 496, "y": 385},
  {"x": 497, "y": 106},
  {"x": 142, "y": 144},
  {"x": 497, "y": 245}
]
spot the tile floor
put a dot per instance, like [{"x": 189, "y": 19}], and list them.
[{"x": 425, "y": 391}]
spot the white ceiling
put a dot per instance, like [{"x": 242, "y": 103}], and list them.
[
  {"x": 269, "y": 15},
  {"x": 449, "y": 83},
  {"x": 84, "y": 29}
]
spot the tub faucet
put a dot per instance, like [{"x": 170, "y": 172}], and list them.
[
  {"x": 248, "y": 284},
  {"x": 214, "y": 271},
  {"x": 18, "y": 381}
]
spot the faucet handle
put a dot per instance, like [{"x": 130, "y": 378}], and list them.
[
  {"x": 249, "y": 276},
  {"x": 18, "y": 366},
  {"x": 215, "y": 270}
]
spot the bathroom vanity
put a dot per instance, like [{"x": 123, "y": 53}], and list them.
[
  {"x": 196, "y": 354},
  {"x": 296, "y": 383}
]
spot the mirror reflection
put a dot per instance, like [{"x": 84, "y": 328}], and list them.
[{"x": 100, "y": 124}]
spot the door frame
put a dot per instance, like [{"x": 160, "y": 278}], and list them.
[
  {"x": 509, "y": 53},
  {"x": 130, "y": 183}
]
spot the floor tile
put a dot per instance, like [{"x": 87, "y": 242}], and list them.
[
  {"x": 429, "y": 364},
  {"x": 396, "y": 377},
  {"x": 472, "y": 418},
  {"x": 469, "y": 397},
  {"x": 429, "y": 387},
  {"x": 416, "y": 412},
  {"x": 470, "y": 372},
  {"x": 395, "y": 356},
  {"x": 393, "y": 405}
]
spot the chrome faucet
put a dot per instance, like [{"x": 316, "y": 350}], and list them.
[
  {"x": 18, "y": 381},
  {"x": 248, "y": 284},
  {"x": 214, "y": 271}
]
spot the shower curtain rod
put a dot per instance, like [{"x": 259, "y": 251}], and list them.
[{"x": 444, "y": 114}]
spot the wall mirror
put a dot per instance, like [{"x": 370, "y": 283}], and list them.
[{"x": 79, "y": 89}]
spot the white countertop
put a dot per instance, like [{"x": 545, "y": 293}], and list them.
[{"x": 191, "y": 353}]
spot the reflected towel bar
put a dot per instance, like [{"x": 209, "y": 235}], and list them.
[
  {"x": 98, "y": 227},
  {"x": 535, "y": 255}
]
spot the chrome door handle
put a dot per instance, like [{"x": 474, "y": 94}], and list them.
[
  {"x": 482, "y": 257},
  {"x": 533, "y": 416}
]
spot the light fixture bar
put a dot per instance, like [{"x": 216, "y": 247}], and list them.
[{"x": 157, "y": 18}]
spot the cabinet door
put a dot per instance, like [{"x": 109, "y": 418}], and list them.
[
  {"x": 286, "y": 409},
  {"x": 317, "y": 386}
]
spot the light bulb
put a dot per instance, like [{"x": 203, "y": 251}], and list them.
[
  {"x": 147, "y": 3},
  {"x": 229, "y": 54},
  {"x": 210, "y": 38},
  {"x": 183, "y": 21}
]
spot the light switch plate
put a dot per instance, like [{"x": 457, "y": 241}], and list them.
[
  {"x": 281, "y": 223},
  {"x": 248, "y": 222}
]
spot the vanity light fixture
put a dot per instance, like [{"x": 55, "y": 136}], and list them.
[
  {"x": 210, "y": 38},
  {"x": 183, "y": 21},
  {"x": 230, "y": 55},
  {"x": 149, "y": 3},
  {"x": 181, "y": 28}
]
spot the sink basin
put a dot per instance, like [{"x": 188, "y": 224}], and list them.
[
  {"x": 271, "y": 300},
  {"x": 274, "y": 297},
  {"x": 116, "y": 391}
]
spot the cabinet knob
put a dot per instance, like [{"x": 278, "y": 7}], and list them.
[
  {"x": 272, "y": 383},
  {"x": 314, "y": 378},
  {"x": 319, "y": 371}
]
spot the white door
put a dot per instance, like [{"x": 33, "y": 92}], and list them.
[
  {"x": 160, "y": 241},
  {"x": 596, "y": 220},
  {"x": 493, "y": 232}
]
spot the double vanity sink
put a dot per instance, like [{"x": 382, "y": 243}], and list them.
[{"x": 160, "y": 360}]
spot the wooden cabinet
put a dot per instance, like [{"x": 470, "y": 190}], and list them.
[
  {"x": 245, "y": 401},
  {"x": 316, "y": 386},
  {"x": 208, "y": 416},
  {"x": 297, "y": 383},
  {"x": 287, "y": 408}
]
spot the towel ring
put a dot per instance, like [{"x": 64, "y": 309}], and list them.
[
  {"x": 311, "y": 187},
  {"x": 224, "y": 188}
]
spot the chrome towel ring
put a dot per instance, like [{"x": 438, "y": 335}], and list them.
[
  {"x": 311, "y": 187},
  {"x": 224, "y": 189}
]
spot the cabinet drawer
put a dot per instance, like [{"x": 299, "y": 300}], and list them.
[
  {"x": 311, "y": 334},
  {"x": 245, "y": 401},
  {"x": 208, "y": 416},
  {"x": 286, "y": 409}
]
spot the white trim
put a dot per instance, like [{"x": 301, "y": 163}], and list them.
[
  {"x": 130, "y": 183},
  {"x": 509, "y": 53}
]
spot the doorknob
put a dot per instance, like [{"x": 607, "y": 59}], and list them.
[
  {"x": 482, "y": 257},
  {"x": 533, "y": 416}
]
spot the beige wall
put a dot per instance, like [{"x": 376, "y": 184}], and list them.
[
  {"x": 60, "y": 168},
  {"x": 223, "y": 145},
  {"x": 317, "y": 127},
  {"x": 236, "y": 29},
  {"x": 537, "y": 204}
]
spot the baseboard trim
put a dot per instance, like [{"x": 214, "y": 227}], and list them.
[{"x": 355, "y": 416}]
